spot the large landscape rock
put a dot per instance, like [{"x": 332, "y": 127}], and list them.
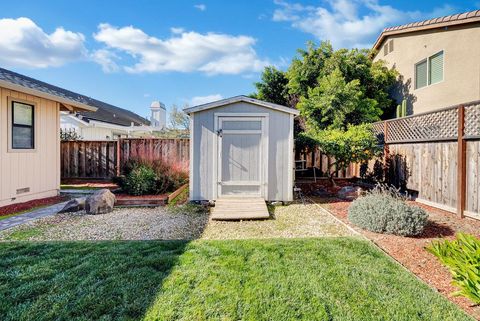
[
  {"x": 100, "y": 202},
  {"x": 74, "y": 205},
  {"x": 350, "y": 192}
]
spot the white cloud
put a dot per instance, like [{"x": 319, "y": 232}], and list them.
[
  {"x": 177, "y": 30},
  {"x": 200, "y": 7},
  {"x": 211, "y": 53},
  {"x": 24, "y": 44},
  {"x": 341, "y": 22},
  {"x": 200, "y": 100},
  {"x": 106, "y": 59}
]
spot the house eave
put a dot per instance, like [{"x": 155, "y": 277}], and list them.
[
  {"x": 76, "y": 105},
  {"x": 387, "y": 33}
]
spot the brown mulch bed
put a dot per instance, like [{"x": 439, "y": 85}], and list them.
[
  {"x": 410, "y": 251},
  {"x": 22, "y": 207},
  {"x": 309, "y": 186}
]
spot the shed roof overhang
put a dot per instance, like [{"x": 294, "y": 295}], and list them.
[{"x": 237, "y": 99}]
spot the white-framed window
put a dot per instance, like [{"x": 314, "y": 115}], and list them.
[
  {"x": 22, "y": 125},
  {"x": 429, "y": 71},
  {"x": 388, "y": 47}
]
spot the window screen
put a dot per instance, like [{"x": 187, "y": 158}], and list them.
[
  {"x": 22, "y": 126},
  {"x": 390, "y": 45},
  {"x": 421, "y": 74},
  {"x": 435, "y": 68}
]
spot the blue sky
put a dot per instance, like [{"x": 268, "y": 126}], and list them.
[{"x": 129, "y": 53}]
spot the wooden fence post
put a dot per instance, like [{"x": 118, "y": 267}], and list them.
[
  {"x": 119, "y": 142},
  {"x": 461, "y": 163},
  {"x": 385, "y": 148}
]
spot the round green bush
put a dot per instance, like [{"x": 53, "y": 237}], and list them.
[
  {"x": 383, "y": 212},
  {"x": 140, "y": 180}
]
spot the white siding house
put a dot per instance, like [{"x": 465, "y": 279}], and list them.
[
  {"x": 241, "y": 147},
  {"x": 89, "y": 129},
  {"x": 29, "y": 136},
  {"x": 108, "y": 122}
]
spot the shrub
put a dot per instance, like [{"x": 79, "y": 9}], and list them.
[
  {"x": 151, "y": 177},
  {"x": 384, "y": 210},
  {"x": 462, "y": 257},
  {"x": 140, "y": 181}
]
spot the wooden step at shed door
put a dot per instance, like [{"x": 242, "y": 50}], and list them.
[{"x": 235, "y": 208}]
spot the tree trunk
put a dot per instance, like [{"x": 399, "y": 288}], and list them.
[{"x": 330, "y": 176}]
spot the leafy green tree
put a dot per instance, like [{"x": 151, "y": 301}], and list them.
[
  {"x": 334, "y": 103},
  {"x": 356, "y": 144},
  {"x": 337, "y": 88},
  {"x": 273, "y": 87},
  {"x": 306, "y": 69}
]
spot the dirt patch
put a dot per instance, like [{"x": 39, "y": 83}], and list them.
[
  {"x": 410, "y": 251},
  {"x": 26, "y": 206}
]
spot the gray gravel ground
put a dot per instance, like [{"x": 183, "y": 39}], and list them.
[
  {"x": 121, "y": 224},
  {"x": 292, "y": 221},
  {"x": 183, "y": 222}
]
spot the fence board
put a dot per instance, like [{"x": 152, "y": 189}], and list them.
[
  {"x": 98, "y": 159},
  {"x": 430, "y": 170}
]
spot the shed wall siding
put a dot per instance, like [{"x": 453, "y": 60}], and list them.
[
  {"x": 203, "y": 161},
  {"x": 38, "y": 170}
]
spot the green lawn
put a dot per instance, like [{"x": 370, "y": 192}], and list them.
[{"x": 303, "y": 279}]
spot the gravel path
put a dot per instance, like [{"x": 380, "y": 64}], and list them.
[
  {"x": 121, "y": 224},
  {"x": 292, "y": 221},
  {"x": 183, "y": 222}
]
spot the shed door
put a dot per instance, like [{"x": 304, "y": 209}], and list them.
[{"x": 241, "y": 156}]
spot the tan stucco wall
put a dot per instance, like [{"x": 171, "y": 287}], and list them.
[
  {"x": 39, "y": 169},
  {"x": 461, "y": 78}
]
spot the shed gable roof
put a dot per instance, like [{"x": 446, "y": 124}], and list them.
[
  {"x": 440, "y": 22},
  {"x": 237, "y": 99}
]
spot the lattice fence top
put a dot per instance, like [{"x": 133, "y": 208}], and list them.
[
  {"x": 472, "y": 120},
  {"x": 378, "y": 129},
  {"x": 440, "y": 125}
]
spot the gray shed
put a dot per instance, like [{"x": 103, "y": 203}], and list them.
[{"x": 241, "y": 147}]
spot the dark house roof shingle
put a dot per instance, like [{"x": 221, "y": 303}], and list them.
[{"x": 105, "y": 112}]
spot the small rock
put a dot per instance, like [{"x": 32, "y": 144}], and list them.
[
  {"x": 276, "y": 203},
  {"x": 350, "y": 192},
  {"x": 100, "y": 202},
  {"x": 75, "y": 205}
]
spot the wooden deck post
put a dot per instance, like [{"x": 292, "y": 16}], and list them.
[
  {"x": 461, "y": 163},
  {"x": 119, "y": 142}
]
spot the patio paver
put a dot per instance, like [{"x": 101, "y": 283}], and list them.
[{"x": 30, "y": 216}]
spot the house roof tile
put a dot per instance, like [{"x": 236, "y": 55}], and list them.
[{"x": 455, "y": 19}]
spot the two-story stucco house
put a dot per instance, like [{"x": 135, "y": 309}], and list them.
[{"x": 438, "y": 61}]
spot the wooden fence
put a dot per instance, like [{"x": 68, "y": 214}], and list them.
[
  {"x": 313, "y": 159},
  {"x": 437, "y": 154},
  {"x": 105, "y": 159}
]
